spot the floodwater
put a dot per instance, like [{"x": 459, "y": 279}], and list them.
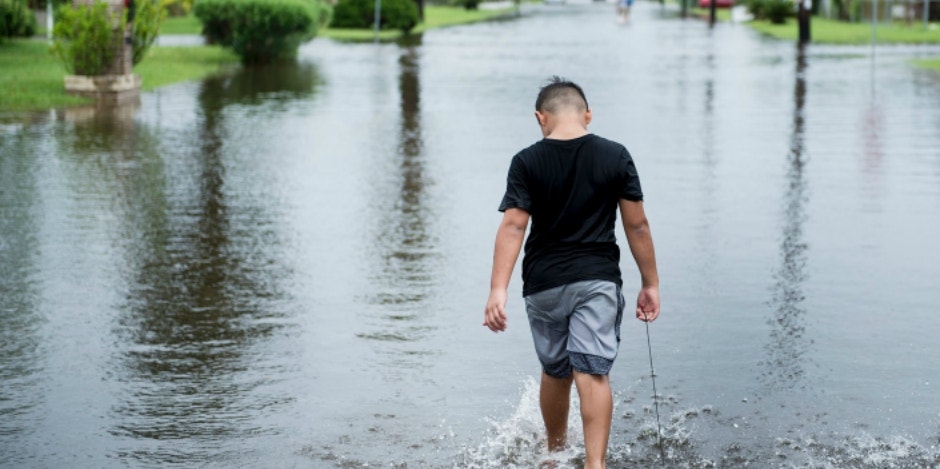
[{"x": 286, "y": 267}]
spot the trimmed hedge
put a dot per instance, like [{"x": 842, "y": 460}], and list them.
[
  {"x": 395, "y": 14},
  {"x": 261, "y": 31},
  {"x": 16, "y": 19}
]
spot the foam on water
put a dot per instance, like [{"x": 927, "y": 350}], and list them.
[
  {"x": 519, "y": 440},
  {"x": 689, "y": 435}
]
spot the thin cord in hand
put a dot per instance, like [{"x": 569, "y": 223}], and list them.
[{"x": 659, "y": 429}]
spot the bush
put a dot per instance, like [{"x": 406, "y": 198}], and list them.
[
  {"x": 147, "y": 20},
  {"x": 177, "y": 7},
  {"x": 82, "y": 38},
  {"x": 756, "y": 7},
  {"x": 777, "y": 11},
  {"x": 260, "y": 30},
  {"x": 41, "y": 4},
  {"x": 395, "y": 14},
  {"x": 16, "y": 19},
  {"x": 471, "y": 4},
  {"x": 325, "y": 14}
]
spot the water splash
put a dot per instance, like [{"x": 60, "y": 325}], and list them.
[
  {"x": 518, "y": 440},
  {"x": 690, "y": 436}
]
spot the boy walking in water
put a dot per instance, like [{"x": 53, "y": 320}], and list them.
[{"x": 571, "y": 184}]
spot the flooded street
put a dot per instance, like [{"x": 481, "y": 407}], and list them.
[{"x": 287, "y": 266}]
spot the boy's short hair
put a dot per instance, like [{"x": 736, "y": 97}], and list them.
[{"x": 560, "y": 93}]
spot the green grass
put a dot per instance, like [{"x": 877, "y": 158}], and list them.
[
  {"x": 825, "y": 31},
  {"x": 188, "y": 24},
  {"x": 434, "y": 17},
  {"x": 32, "y": 77},
  {"x": 930, "y": 64},
  {"x": 166, "y": 65}
]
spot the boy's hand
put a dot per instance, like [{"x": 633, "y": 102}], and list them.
[
  {"x": 647, "y": 304},
  {"x": 495, "y": 313}
]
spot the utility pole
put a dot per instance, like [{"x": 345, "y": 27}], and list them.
[
  {"x": 378, "y": 18},
  {"x": 926, "y": 14},
  {"x": 803, "y": 16},
  {"x": 50, "y": 22},
  {"x": 712, "y": 5}
]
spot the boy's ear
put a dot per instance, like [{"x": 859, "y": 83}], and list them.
[
  {"x": 540, "y": 118},
  {"x": 587, "y": 117}
]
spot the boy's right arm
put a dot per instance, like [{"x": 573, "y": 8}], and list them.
[
  {"x": 637, "y": 229},
  {"x": 509, "y": 239}
]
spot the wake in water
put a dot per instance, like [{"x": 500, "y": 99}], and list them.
[
  {"x": 691, "y": 438},
  {"x": 519, "y": 441}
]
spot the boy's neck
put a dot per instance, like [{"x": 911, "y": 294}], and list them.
[
  {"x": 567, "y": 133},
  {"x": 564, "y": 126}
]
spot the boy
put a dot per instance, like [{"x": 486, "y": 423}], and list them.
[{"x": 571, "y": 184}]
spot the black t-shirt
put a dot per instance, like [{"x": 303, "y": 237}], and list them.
[{"x": 571, "y": 190}]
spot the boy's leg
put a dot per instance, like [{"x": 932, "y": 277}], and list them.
[
  {"x": 554, "y": 396},
  {"x": 597, "y": 408}
]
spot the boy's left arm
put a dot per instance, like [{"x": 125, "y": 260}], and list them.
[
  {"x": 637, "y": 229},
  {"x": 509, "y": 240}
]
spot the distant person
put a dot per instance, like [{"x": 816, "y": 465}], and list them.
[
  {"x": 623, "y": 9},
  {"x": 571, "y": 184}
]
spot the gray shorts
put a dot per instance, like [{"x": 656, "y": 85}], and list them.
[{"x": 576, "y": 326}]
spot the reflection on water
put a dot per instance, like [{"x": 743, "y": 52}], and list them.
[
  {"x": 20, "y": 310},
  {"x": 786, "y": 360},
  {"x": 279, "y": 82},
  {"x": 406, "y": 251},
  {"x": 871, "y": 130},
  {"x": 708, "y": 181},
  {"x": 206, "y": 279},
  {"x": 94, "y": 131}
]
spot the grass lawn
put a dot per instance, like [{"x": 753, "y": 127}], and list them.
[
  {"x": 434, "y": 17},
  {"x": 32, "y": 77},
  {"x": 188, "y": 24},
  {"x": 825, "y": 31},
  {"x": 166, "y": 65},
  {"x": 928, "y": 64}
]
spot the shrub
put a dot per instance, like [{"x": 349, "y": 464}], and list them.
[
  {"x": 756, "y": 7},
  {"x": 41, "y": 4},
  {"x": 259, "y": 30},
  {"x": 325, "y": 14},
  {"x": 777, "y": 11},
  {"x": 82, "y": 38},
  {"x": 177, "y": 7},
  {"x": 148, "y": 17},
  {"x": 16, "y": 19},
  {"x": 395, "y": 14}
]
